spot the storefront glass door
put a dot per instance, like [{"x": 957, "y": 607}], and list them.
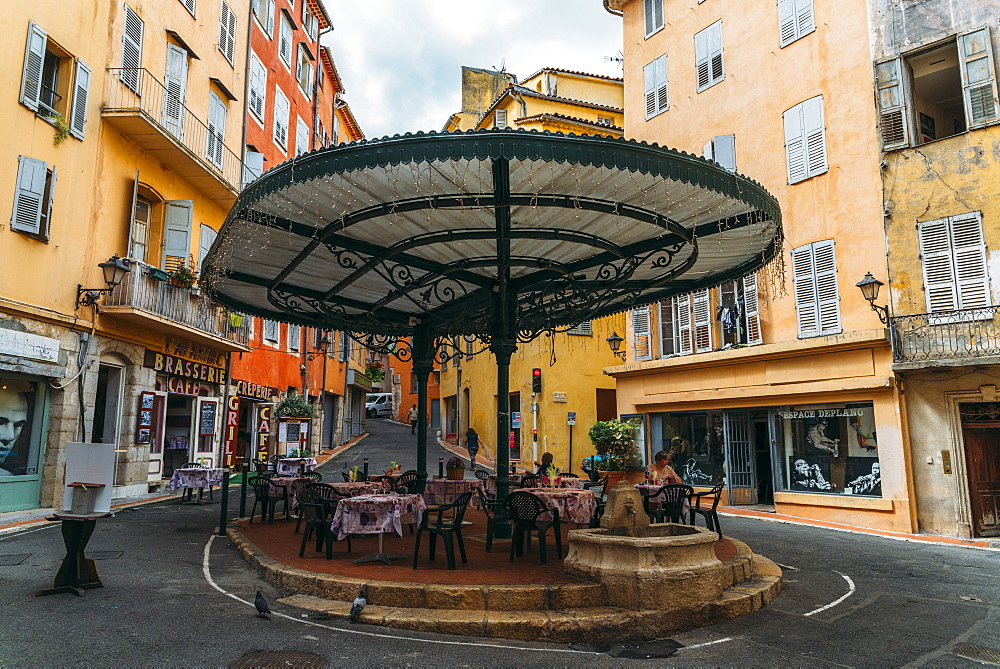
[{"x": 23, "y": 414}]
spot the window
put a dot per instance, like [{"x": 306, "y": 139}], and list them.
[
  {"x": 652, "y": 11},
  {"x": 253, "y": 164},
  {"x": 413, "y": 384},
  {"x": 177, "y": 218},
  {"x": 304, "y": 71},
  {"x": 131, "y": 49},
  {"x": 722, "y": 149},
  {"x": 937, "y": 93},
  {"x": 583, "y": 329},
  {"x": 707, "y": 320},
  {"x": 53, "y": 83},
  {"x": 216, "y": 129},
  {"x": 294, "y": 337},
  {"x": 655, "y": 78},
  {"x": 708, "y": 56},
  {"x": 737, "y": 313},
  {"x": 32, "y": 212},
  {"x": 805, "y": 140},
  {"x": 141, "y": 220},
  {"x": 795, "y": 19},
  {"x": 258, "y": 87},
  {"x": 301, "y": 138},
  {"x": 345, "y": 348},
  {"x": 606, "y": 120},
  {"x": 205, "y": 241},
  {"x": 263, "y": 10},
  {"x": 310, "y": 23},
  {"x": 189, "y": 5},
  {"x": 285, "y": 40},
  {"x": 953, "y": 257},
  {"x": 322, "y": 139},
  {"x": 641, "y": 335},
  {"x": 280, "y": 118},
  {"x": 227, "y": 32},
  {"x": 500, "y": 118},
  {"x": 271, "y": 331},
  {"x": 817, "y": 299}
]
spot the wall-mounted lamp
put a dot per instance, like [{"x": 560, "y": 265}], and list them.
[
  {"x": 869, "y": 289},
  {"x": 615, "y": 342},
  {"x": 323, "y": 345},
  {"x": 114, "y": 271}
]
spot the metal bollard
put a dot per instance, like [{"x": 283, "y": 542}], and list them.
[
  {"x": 224, "y": 503},
  {"x": 440, "y": 468},
  {"x": 366, "y": 469}
]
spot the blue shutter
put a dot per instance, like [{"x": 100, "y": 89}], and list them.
[
  {"x": 29, "y": 196},
  {"x": 34, "y": 61},
  {"x": 81, "y": 88}
]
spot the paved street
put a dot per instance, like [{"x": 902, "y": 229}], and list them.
[{"x": 179, "y": 596}]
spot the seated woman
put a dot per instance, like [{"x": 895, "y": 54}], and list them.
[
  {"x": 661, "y": 471},
  {"x": 543, "y": 469}
]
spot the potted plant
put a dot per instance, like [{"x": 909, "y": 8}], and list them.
[
  {"x": 294, "y": 405},
  {"x": 182, "y": 277},
  {"x": 375, "y": 371},
  {"x": 157, "y": 273},
  {"x": 615, "y": 442}
]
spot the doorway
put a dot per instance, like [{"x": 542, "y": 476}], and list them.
[
  {"x": 764, "y": 470},
  {"x": 107, "y": 413},
  {"x": 982, "y": 457}
]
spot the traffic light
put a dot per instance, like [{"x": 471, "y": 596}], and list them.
[{"x": 536, "y": 380}]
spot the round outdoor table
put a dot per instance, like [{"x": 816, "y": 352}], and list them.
[
  {"x": 438, "y": 492},
  {"x": 377, "y": 514},
  {"x": 193, "y": 478},
  {"x": 291, "y": 466},
  {"x": 574, "y": 505}
]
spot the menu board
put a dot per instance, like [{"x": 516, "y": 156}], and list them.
[{"x": 206, "y": 420}]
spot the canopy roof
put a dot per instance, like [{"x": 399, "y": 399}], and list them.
[{"x": 377, "y": 235}]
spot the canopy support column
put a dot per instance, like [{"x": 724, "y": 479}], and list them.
[{"x": 423, "y": 365}]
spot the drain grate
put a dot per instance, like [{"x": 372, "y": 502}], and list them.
[
  {"x": 281, "y": 658},
  {"x": 11, "y": 560},
  {"x": 974, "y": 651},
  {"x": 104, "y": 555}
]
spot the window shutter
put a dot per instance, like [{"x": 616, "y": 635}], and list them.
[
  {"x": 205, "y": 240},
  {"x": 500, "y": 118},
  {"x": 285, "y": 41},
  {"x": 827, "y": 293},
  {"x": 34, "y": 61},
  {"x": 805, "y": 291},
  {"x": 131, "y": 49},
  {"x": 660, "y": 70},
  {"x": 46, "y": 222},
  {"x": 258, "y": 86},
  {"x": 280, "y": 118},
  {"x": 133, "y": 239},
  {"x": 795, "y": 147},
  {"x": 81, "y": 88},
  {"x": 701, "y": 56},
  {"x": 583, "y": 329},
  {"x": 175, "y": 81},
  {"x": 301, "y": 138},
  {"x": 216, "y": 128},
  {"x": 294, "y": 337},
  {"x": 653, "y": 14},
  {"x": 970, "y": 261},
  {"x": 657, "y": 14},
  {"x": 891, "y": 78},
  {"x": 649, "y": 79},
  {"x": 751, "y": 310},
  {"x": 979, "y": 86},
  {"x": 805, "y": 17},
  {"x": 668, "y": 327},
  {"x": 940, "y": 288},
  {"x": 684, "y": 324},
  {"x": 253, "y": 166},
  {"x": 815, "y": 136},
  {"x": 701, "y": 314},
  {"x": 787, "y": 22},
  {"x": 29, "y": 196},
  {"x": 724, "y": 151},
  {"x": 176, "y": 233},
  {"x": 647, "y": 12},
  {"x": 715, "y": 52},
  {"x": 227, "y": 32},
  {"x": 641, "y": 334}
]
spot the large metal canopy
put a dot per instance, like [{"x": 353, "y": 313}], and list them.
[{"x": 376, "y": 236}]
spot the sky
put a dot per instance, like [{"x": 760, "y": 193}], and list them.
[{"x": 401, "y": 60}]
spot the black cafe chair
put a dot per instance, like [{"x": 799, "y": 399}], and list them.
[
  {"x": 314, "y": 511},
  {"x": 525, "y": 510},
  {"x": 449, "y": 529},
  {"x": 315, "y": 476},
  {"x": 489, "y": 508},
  {"x": 667, "y": 502},
  {"x": 528, "y": 481},
  {"x": 710, "y": 514},
  {"x": 262, "y": 487}
]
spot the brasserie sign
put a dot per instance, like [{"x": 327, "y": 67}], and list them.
[{"x": 173, "y": 366}]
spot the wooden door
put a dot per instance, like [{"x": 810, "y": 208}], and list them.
[
  {"x": 156, "y": 435},
  {"x": 982, "y": 454}
]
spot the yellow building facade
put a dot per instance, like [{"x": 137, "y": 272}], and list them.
[
  {"x": 124, "y": 126},
  {"x": 779, "y": 384}
]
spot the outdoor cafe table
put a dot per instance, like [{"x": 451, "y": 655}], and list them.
[
  {"x": 377, "y": 514},
  {"x": 290, "y": 466},
  {"x": 442, "y": 491},
  {"x": 355, "y": 488},
  {"x": 195, "y": 477},
  {"x": 574, "y": 505},
  {"x": 491, "y": 483}
]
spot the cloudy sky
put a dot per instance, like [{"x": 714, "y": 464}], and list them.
[{"x": 401, "y": 59}]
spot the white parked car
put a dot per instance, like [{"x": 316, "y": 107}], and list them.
[{"x": 379, "y": 404}]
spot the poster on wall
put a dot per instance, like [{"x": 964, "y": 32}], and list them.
[
  {"x": 809, "y": 473},
  {"x": 864, "y": 476},
  {"x": 699, "y": 471},
  {"x": 861, "y": 441},
  {"x": 823, "y": 436},
  {"x": 18, "y": 427}
]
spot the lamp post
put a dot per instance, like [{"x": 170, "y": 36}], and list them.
[
  {"x": 869, "y": 290},
  {"x": 114, "y": 270},
  {"x": 615, "y": 342},
  {"x": 322, "y": 346}
]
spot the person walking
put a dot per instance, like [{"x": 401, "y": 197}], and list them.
[
  {"x": 472, "y": 445},
  {"x": 413, "y": 419}
]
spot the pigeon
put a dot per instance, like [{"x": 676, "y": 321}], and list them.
[
  {"x": 359, "y": 605},
  {"x": 263, "y": 610}
]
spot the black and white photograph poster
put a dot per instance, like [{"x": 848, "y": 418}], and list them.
[
  {"x": 809, "y": 473},
  {"x": 864, "y": 476}
]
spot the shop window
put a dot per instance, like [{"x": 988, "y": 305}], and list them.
[
  {"x": 696, "y": 445},
  {"x": 21, "y": 408},
  {"x": 935, "y": 93},
  {"x": 652, "y": 11},
  {"x": 33, "y": 195},
  {"x": 54, "y": 84},
  {"x": 830, "y": 448},
  {"x": 708, "y": 56}
]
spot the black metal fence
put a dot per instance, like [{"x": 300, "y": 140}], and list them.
[{"x": 946, "y": 335}]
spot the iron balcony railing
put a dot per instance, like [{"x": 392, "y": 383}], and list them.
[
  {"x": 141, "y": 290},
  {"x": 946, "y": 335},
  {"x": 137, "y": 90}
]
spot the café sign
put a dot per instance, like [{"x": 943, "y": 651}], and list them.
[{"x": 174, "y": 366}]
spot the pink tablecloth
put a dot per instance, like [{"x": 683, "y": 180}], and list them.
[
  {"x": 574, "y": 506},
  {"x": 195, "y": 477},
  {"x": 289, "y": 466},
  {"x": 491, "y": 483},
  {"x": 355, "y": 488},
  {"x": 442, "y": 491},
  {"x": 374, "y": 514}
]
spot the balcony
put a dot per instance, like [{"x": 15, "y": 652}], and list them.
[
  {"x": 157, "y": 305},
  {"x": 142, "y": 108},
  {"x": 946, "y": 338}
]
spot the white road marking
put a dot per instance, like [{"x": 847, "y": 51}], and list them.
[
  {"x": 850, "y": 592},
  {"x": 208, "y": 577},
  {"x": 13, "y": 532},
  {"x": 707, "y": 643},
  {"x": 785, "y": 566}
]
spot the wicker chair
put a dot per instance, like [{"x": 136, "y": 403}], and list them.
[
  {"x": 450, "y": 529},
  {"x": 525, "y": 510}
]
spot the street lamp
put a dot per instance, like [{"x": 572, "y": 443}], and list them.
[
  {"x": 114, "y": 271},
  {"x": 615, "y": 342},
  {"x": 323, "y": 345},
  {"x": 869, "y": 290}
]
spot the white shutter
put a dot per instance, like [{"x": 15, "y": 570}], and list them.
[
  {"x": 227, "y": 32},
  {"x": 216, "y": 129},
  {"x": 815, "y": 136},
  {"x": 795, "y": 145},
  {"x": 34, "y": 61},
  {"x": 131, "y": 49},
  {"x": 206, "y": 238},
  {"x": 176, "y": 233},
  {"x": 46, "y": 222},
  {"x": 701, "y": 315},
  {"x": 29, "y": 196},
  {"x": 891, "y": 79},
  {"x": 655, "y": 83},
  {"x": 280, "y": 118},
  {"x": 258, "y": 86},
  {"x": 684, "y": 324},
  {"x": 271, "y": 330},
  {"x": 827, "y": 293},
  {"x": 294, "y": 337},
  {"x": 970, "y": 261},
  {"x": 175, "y": 81},
  {"x": 134, "y": 243},
  {"x": 253, "y": 166},
  {"x": 301, "y": 138},
  {"x": 649, "y": 84},
  {"x": 582, "y": 329},
  {"x": 804, "y": 279},
  {"x": 724, "y": 151},
  {"x": 715, "y": 52},
  {"x": 285, "y": 41},
  {"x": 751, "y": 310},
  {"x": 701, "y": 55},
  {"x": 709, "y": 149},
  {"x": 641, "y": 334},
  {"x": 940, "y": 288},
  {"x": 647, "y": 12},
  {"x": 805, "y": 17},
  {"x": 787, "y": 24},
  {"x": 500, "y": 118},
  {"x": 81, "y": 89},
  {"x": 979, "y": 86}
]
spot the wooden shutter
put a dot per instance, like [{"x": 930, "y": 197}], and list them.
[
  {"x": 176, "y": 233},
  {"x": 29, "y": 196},
  {"x": 724, "y": 151},
  {"x": 258, "y": 86},
  {"x": 655, "y": 82},
  {"x": 827, "y": 293},
  {"x": 979, "y": 86},
  {"x": 815, "y": 136},
  {"x": 751, "y": 310},
  {"x": 133, "y": 241},
  {"x": 684, "y": 324},
  {"x": 227, "y": 32},
  {"x": 216, "y": 128},
  {"x": 804, "y": 279},
  {"x": 970, "y": 261},
  {"x": 649, "y": 83},
  {"x": 892, "y": 90},
  {"x": 500, "y": 118},
  {"x": 701, "y": 315},
  {"x": 795, "y": 145},
  {"x": 787, "y": 23},
  {"x": 206, "y": 238},
  {"x": 81, "y": 90},
  {"x": 131, "y": 49},
  {"x": 641, "y": 334},
  {"x": 175, "y": 81},
  {"x": 701, "y": 56},
  {"x": 34, "y": 61},
  {"x": 940, "y": 288}
]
